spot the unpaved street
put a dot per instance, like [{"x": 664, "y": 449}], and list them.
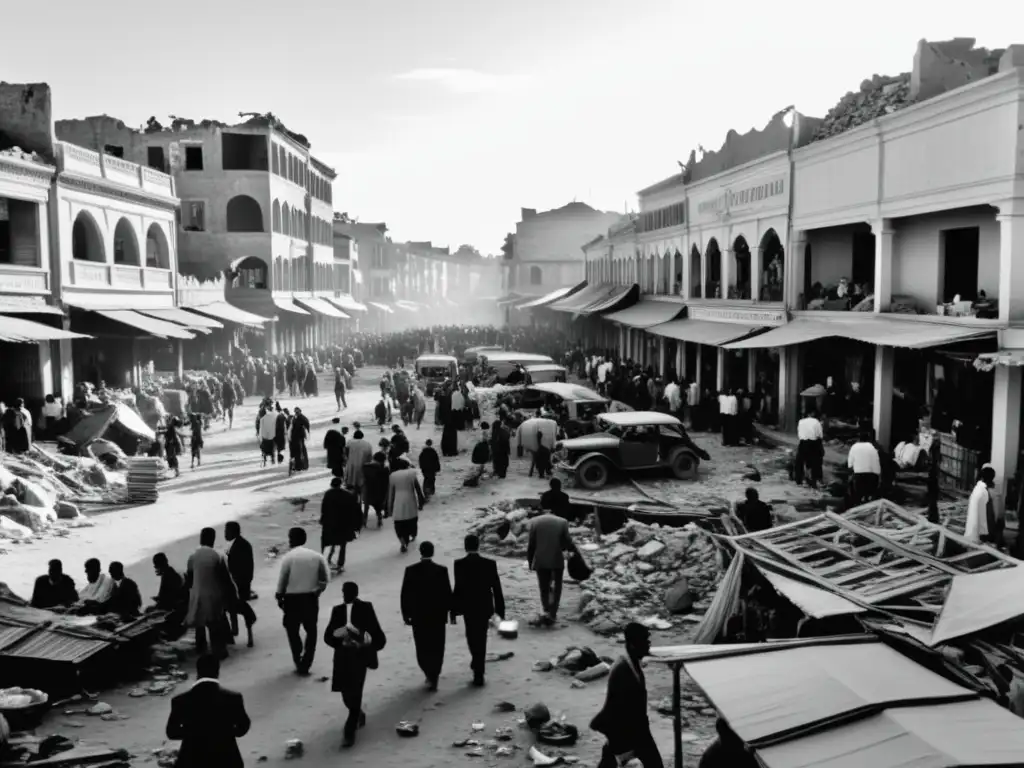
[{"x": 231, "y": 485}]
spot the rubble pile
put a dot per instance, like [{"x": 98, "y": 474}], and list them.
[
  {"x": 647, "y": 573},
  {"x": 877, "y": 97}
]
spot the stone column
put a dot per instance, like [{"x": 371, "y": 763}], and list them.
[
  {"x": 883, "y": 231},
  {"x": 751, "y": 369},
  {"x": 271, "y": 337},
  {"x": 1011, "y": 260},
  {"x": 180, "y": 350},
  {"x": 699, "y": 373},
  {"x": 793, "y": 266},
  {"x": 1006, "y": 401},
  {"x": 46, "y": 382},
  {"x": 66, "y": 385},
  {"x": 681, "y": 365},
  {"x": 789, "y": 386},
  {"x": 662, "y": 360},
  {"x": 882, "y": 407},
  {"x": 720, "y": 373},
  {"x": 726, "y": 257}
]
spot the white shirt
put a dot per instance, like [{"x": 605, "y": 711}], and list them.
[
  {"x": 977, "y": 513},
  {"x": 303, "y": 571},
  {"x": 98, "y": 590},
  {"x": 693, "y": 394},
  {"x": 602, "y": 372},
  {"x": 863, "y": 459},
  {"x": 53, "y": 410},
  {"x": 672, "y": 396},
  {"x": 728, "y": 405},
  {"x": 809, "y": 428},
  {"x": 268, "y": 425}
]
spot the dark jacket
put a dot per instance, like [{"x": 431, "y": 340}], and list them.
[
  {"x": 207, "y": 720},
  {"x": 364, "y": 618},
  {"x": 623, "y": 718},
  {"x": 477, "y": 588},
  {"x": 334, "y": 444},
  {"x": 426, "y": 593},
  {"x": 241, "y": 565},
  {"x": 172, "y": 590},
  {"x": 430, "y": 464},
  {"x": 556, "y": 502},
  {"x": 48, "y": 595},
  {"x": 125, "y": 598},
  {"x": 340, "y": 517}
]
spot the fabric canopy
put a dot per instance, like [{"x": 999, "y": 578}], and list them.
[
  {"x": 10, "y": 305},
  {"x": 618, "y": 297},
  {"x": 581, "y": 298},
  {"x": 971, "y": 733},
  {"x": 551, "y": 298},
  {"x": 977, "y": 601},
  {"x": 285, "y": 303},
  {"x": 512, "y": 298},
  {"x": 381, "y": 307},
  {"x": 346, "y": 303},
  {"x": 702, "y": 331},
  {"x": 17, "y": 329},
  {"x": 159, "y": 328},
  {"x": 408, "y": 306},
  {"x": 224, "y": 311},
  {"x": 183, "y": 317},
  {"x": 882, "y": 331},
  {"x": 773, "y": 695},
  {"x": 322, "y": 307},
  {"x": 646, "y": 313}
]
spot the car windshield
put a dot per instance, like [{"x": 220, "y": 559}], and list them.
[{"x": 433, "y": 371}]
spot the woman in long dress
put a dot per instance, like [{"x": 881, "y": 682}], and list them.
[{"x": 405, "y": 500}]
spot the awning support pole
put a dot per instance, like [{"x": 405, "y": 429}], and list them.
[{"x": 677, "y": 714}]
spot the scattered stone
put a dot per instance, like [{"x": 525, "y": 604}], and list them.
[
  {"x": 100, "y": 708},
  {"x": 653, "y": 622},
  {"x": 650, "y": 549},
  {"x": 294, "y": 748},
  {"x": 543, "y": 666},
  {"x": 504, "y": 706},
  {"x": 678, "y": 597},
  {"x": 478, "y": 726},
  {"x": 577, "y": 684}
]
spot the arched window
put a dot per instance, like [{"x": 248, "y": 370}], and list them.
[
  {"x": 244, "y": 215},
  {"x": 740, "y": 279},
  {"x": 773, "y": 267},
  {"x": 250, "y": 272},
  {"x": 275, "y": 215},
  {"x": 713, "y": 281},
  {"x": 126, "y": 244},
  {"x": 286, "y": 220},
  {"x": 536, "y": 276},
  {"x": 86, "y": 239},
  {"x": 695, "y": 287},
  {"x": 158, "y": 254}
]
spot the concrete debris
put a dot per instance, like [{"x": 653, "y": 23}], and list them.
[
  {"x": 876, "y": 98},
  {"x": 593, "y": 673},
  {"x": 294, "y": 748},
  {"x": 640, "y": 571}
]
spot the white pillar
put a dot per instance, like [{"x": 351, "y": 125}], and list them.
[
  {"x": 699, "y": 373},
  {"x": 726, "y": 258},
  {"x": 271, "y": 337},
  {"x": 720, "y": 372},
  {"x": 681, "y": 356},
  {"x": 756, "y": 260},
  {"x": 751, "y": 369},
  {"x": 45, "y": 369},
  {"x": 623, "y": 343},
  {"x": 1006, "y": 401},
  {"x": 662, "y": 360},
  {"x": 882, "y": 415},
  {"x": 1011, "y": 260},
  {"x": 180, "y": 353},
  {"x": 883, "y": 231},
  {"x": 793, "y": 276}
]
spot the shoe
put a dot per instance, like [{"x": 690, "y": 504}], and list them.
[
  {"x": 431, "y": 685},
  {"x": 478, "y": 681},
  {"x": 404, "y": 548},
  {"x": 348, "y": 741}
]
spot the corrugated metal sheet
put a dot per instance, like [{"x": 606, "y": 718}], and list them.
[
  {"x": 12, "y": 632},
  {"x": 58, "y": 646}
]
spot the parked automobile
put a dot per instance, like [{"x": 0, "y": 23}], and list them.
[
  {"x": 434, "y": 369},
  {"x": 627, "y": 442},
  {"x": 543, "y": 373},
  {"x": 470, "y": 356},
  {"x": 501, "y": 364}
]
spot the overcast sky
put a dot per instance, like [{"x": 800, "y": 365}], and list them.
[{"x": 444, "y": 117}]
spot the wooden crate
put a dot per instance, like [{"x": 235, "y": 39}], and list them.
[{"x": 958, "y": 465}]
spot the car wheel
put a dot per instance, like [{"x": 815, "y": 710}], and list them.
[
  {"x": 592, "y": 474},
  {"x": 684, "y": 465}
]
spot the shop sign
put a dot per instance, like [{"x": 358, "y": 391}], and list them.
[
  {"x": 729, "y": 200},
  {"x": 757, "y": 316}
]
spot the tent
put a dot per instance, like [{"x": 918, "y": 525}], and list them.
[{"x": 115, "y": 422}]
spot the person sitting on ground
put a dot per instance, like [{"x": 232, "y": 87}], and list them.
[
  {"x": 125, "y": 598},
  {"x": 555, "y": 500},
  {"x": 864, "y": 460},
  {"x": 96, "y": 592},
  {"x": 54, "y": 589},
  {"x": 754, "y": 513}
]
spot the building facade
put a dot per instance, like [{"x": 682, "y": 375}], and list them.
[{"x": 256, "y": 205}]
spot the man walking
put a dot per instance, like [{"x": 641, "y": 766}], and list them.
[
  {"x": 623, "y": 718},
  {"x": 356, "y": 637},
  {"x": 242, "y": 567},
  {"x": 304, "y": 575},
  {"x": 340, "y": 520},
  {"x": 477, "y": 597},
  {"x": 212, "y": 592},
  {"x": 208, "y": 720},
  {"x": 810, "y": 450},
  {"x": 549, "y": 539},
  {"x": 426, "y": 607}
]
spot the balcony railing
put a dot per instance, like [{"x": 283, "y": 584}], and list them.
[
  {"x": 85, "y": 162},
  {"x": 88, "y": 274}
]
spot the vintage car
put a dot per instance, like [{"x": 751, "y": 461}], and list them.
[
  {"x": 544, "y": 373},
  {"x": 501, "y": 364},
  {"x": 434, "y": 369},
  {"x": 624, "y": 442},
  {"x": 472, "y": 354}
]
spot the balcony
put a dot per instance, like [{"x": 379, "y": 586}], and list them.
[
  {"x": 87, "y": 274},
  {"x": 80, "y": 161}
]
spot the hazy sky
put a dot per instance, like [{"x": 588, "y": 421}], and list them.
[{"x": 444, "y": 117}]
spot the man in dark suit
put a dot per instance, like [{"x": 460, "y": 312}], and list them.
[
  {"x": 545, "y": 554},
  {"x": 356, "y": 637},
  {"x": 623, "y": 718},
  {"x": 426, "y": 607},
  {"x": 125, "y": 599},
  {"x": 477, "y": 597},
  {"x": 242, "y": 566},
  {"x": 207, "y": 720}
]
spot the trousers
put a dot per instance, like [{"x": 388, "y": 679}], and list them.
[
  {"x": 550, "y": 582},
  {"x": 476, "y": 639},
  {"x": 429, "y": 637},
  {"x": 301, "y": 612}
]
